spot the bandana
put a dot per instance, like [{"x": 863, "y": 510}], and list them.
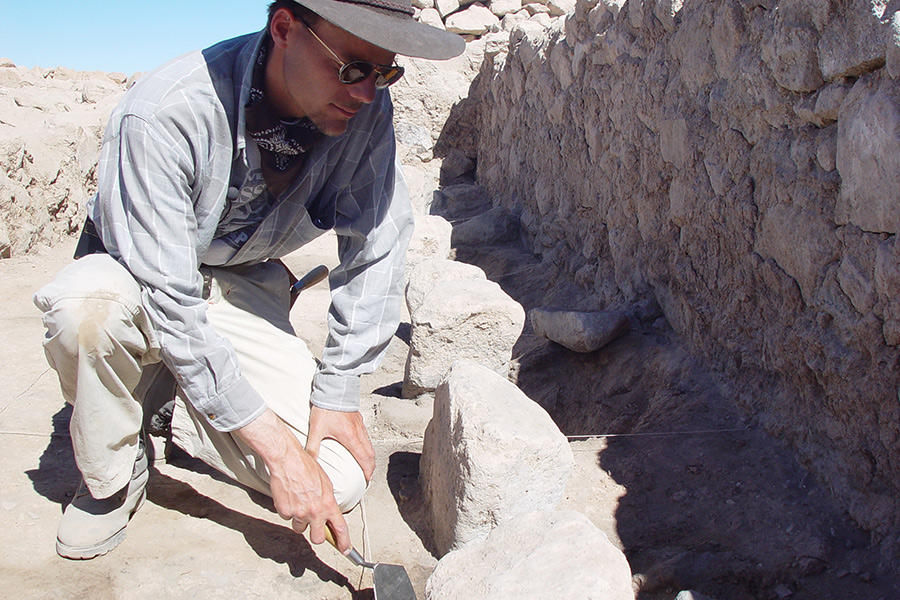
[{"x": 282, "y": 143}]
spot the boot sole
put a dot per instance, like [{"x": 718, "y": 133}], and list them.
[{"x": 104, "y": 547}]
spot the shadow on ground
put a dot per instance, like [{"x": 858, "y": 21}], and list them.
[
  {"x": 403, "y": 482},
  {"x": 712, "y": 503},
  {"x": 56, "y": 476}
]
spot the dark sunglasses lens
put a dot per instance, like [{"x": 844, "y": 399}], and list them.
[{"x": 356, "y": 71}]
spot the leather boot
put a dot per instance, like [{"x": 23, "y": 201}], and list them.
[{"x": 91, "y": 527}]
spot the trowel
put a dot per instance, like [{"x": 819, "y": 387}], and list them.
[{"x": 391, "y": 582}]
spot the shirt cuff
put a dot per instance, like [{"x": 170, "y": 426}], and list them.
[
  {"x": 335, "y": 392},
  {"x": 234, "y": 408}
]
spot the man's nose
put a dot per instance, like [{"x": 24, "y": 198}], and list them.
[{"x": 364, "y": 91}]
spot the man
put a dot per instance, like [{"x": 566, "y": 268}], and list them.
[{"x": 211, "y": 166}]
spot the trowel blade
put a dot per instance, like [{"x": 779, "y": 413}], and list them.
[{"x": 392, "y": 583}]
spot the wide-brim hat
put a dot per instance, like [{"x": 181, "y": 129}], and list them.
[{"x": 388, "y": 24}]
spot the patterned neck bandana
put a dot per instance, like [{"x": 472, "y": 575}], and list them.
[{"x": 283, "y": 143}]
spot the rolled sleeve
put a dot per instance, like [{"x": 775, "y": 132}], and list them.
[
  {"x": 232, "y": 409},
  {"x": 333, "y": 391}
]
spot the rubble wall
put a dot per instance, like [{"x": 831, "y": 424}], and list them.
[
  {"x": 738, "y": 162},
  {"x": 51, "y": 125}
]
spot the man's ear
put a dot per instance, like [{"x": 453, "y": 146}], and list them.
[{"x": 280, "y": 26}]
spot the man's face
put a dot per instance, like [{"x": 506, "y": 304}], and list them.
[{"x": 302, "y": 76}]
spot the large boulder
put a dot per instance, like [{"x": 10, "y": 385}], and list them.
[{"x": 490, "y": 453}]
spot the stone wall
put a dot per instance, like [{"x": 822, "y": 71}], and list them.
[{"x": 737, "y": 162}]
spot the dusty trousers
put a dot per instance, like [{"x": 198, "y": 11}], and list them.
[{"x": 103, "y": 348}]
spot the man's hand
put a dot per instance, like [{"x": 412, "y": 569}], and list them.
[
  {"x": 300, "y": 488},
  {"x": 348, "y": 429}
]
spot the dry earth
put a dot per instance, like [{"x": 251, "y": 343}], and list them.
[{"x": 697, "y": 498}]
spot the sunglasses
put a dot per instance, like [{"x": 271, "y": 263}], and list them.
[{"x": 358, "y": 70}]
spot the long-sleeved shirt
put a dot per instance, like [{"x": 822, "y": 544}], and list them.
[{"x": 176, "y": 167}]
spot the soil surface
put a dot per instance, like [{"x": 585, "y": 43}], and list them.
[{"x": 693, "y": 492}]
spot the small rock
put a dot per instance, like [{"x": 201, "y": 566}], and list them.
[
  {"x": 455, "y": 165},
  {"x": 502, "y": 8},
  {"x": 559, "y": 8},
  {"x": 475, "y": 20},
  {"x": 495, "y": 226},
  {"x": 430, "y": 239},
  {"x": 579, "y": 331},
  {"x": 461, "y": 200},
  {"x": 430, "y": 16},
  {"x": 446, "y": 7}
]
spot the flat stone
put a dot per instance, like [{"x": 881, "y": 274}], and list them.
[
  {"x": 868, "y": 156},
  {"x": 536, "y": 556},
  {"x": 431, "y": 271}
]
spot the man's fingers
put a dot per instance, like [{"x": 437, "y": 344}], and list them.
[
  {"x": 334, "y": 530},
  {"x": 340, "y": 534},
  {"x": 298, "y": 525},
  {"x": 364, "y": 454},
  {"x": 313, "y": 442}
]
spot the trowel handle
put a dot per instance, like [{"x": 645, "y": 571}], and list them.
[{"x": 353, "y": 556}]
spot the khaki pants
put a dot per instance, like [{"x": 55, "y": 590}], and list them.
[{"x": 107, "y": 357}]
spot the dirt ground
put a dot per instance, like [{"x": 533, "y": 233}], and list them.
[{"x": 696, "y": 496}]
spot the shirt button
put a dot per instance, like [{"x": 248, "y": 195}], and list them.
[{"x": 210, "y": 416}]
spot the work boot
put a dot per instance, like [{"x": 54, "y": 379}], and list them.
[{"x": 91, "y": 527}]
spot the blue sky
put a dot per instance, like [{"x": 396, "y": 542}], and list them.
[{"x": 119, "y": 35}]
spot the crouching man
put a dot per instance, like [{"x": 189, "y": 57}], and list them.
[{"x": 212, "y": 167}]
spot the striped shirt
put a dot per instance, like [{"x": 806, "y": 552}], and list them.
[{"x": 176, "y": 172}]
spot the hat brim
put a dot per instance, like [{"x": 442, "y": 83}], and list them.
[{"x": 397, "y": 32}]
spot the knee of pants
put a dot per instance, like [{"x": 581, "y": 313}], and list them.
[
  {"x": 91, "y": 327},
  {"x": 92, "y": 306}
]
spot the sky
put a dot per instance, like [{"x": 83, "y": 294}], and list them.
[{"x": 125, "y": 36}]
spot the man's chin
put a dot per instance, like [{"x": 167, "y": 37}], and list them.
[{"x": 331, "y": 127}]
